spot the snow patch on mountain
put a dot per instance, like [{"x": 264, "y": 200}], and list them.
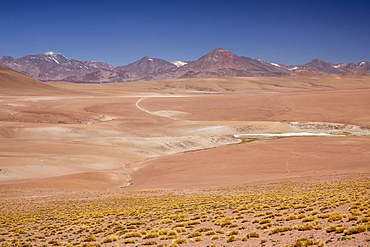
[
  {"x": 52, "y": 56},
  {"x": 179, "y": 63},
  {"x": 55, "y": 60},
  {"x": 49, "y": 53}
]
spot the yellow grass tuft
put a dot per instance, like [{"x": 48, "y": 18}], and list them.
[
  {"x": 253, "y": 235},
  {"x": 198, "y": 239},
  {"x": 355, "y": 230},
  {"x": 180, "y": 241},
  {"x": 132, "y": 235},
  {"x": 110, "y": 239},
  {"x": 215, "y": 237},
  {"x": 307, "y": 242},
  {"x": 235, "y": 232},
  {"x": 305, "y": 227},
  {"x": 335, "y": 216},
  {"x": 231, "y": 239},
  {"x": 331, "y": 228},
  {"x": 150, "y": 243},
  {"x": 194, "y": 234},
  {"x": 291, "y": 217},
  {"x": 151, "y": 234}
]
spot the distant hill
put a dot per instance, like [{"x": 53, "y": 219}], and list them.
[
  {"x": 52, "y": 66},
  {"x": 12, "y": 81},
  {"x": 308, "y": 74}
]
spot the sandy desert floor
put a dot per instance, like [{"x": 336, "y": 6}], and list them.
[{"x": 172, "y": 157}]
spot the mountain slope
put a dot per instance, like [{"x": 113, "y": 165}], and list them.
[
  {"x": 273, "y": 67},
  {"x": 221, "y": 62},
  {"x": 52, "y": 66},
  {"x": 318, "y": 66},
  {"x": 148, "y": 65},
  {"x": 361, "y": 67},
  {"x": 12, "y": 81}
]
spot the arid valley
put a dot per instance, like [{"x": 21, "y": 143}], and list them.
[{"x": 208, "y": 161}]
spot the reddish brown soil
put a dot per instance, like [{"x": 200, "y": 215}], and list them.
[
  {"x": 256, "y": 162},
  {"x": 92, "y": 129},
  {"x": 16, "y": 83},
  {"x": 348, "y": 106}
]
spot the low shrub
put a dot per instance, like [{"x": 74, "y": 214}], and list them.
[
  {"x": 198, "y": 239},
  {"x": 280, "y": 229},
  {"x": 231, "y": 239},
  {"x": 150, "y": 243},
  {"x": 215, "y": 237},
  {"x": 253, "y": 235},
  {"x": 194, "y": 234},
  {"x": 354, "y": 230},
  {"x": 291, "y": 217}
]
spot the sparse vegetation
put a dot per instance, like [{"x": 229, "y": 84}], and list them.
[{"x": 172, "y": 219}]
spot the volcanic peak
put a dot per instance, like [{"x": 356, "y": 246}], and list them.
[{"x": 50, "y": 53}]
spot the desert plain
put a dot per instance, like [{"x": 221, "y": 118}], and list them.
[{"x": 280, "y": 161}]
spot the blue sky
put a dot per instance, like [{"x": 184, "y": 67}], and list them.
[{"x": 121, "y": 32}]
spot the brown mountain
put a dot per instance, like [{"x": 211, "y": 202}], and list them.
[
  {"x": 361, "y": 67},
  {"x": 147, "y": 68},
  {"x": 12, "y": 81},
  {"x": 318, "y": 66},
  {"x": 52, "y": 66},
  {"x": 148, "y": 65},
  {"x": 101, "y": 76},
  {"x": 273, "y": 67},
  {"x": 221, "y": 62}
]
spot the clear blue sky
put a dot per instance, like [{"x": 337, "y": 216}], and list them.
[{"x": 120, "y": 32}]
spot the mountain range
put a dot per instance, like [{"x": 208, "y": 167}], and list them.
[{"x": 52, "y": 66}]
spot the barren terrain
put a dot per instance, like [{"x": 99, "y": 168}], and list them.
[{"x": 172, "y": 147}]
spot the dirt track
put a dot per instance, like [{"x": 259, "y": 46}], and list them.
[{"x": 57, "y": 136}]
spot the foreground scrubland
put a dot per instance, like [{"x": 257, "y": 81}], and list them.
[{"x": 323, "y": 211}]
